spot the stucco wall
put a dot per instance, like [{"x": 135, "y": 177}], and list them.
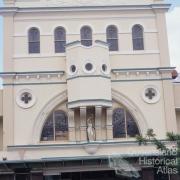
[
  {"x": 1, "y": 133},
  {"x": 28, "y": 3},
  {"x": 1, "y": 102},
  {"x": 177, "y": 94},
  {"x": 72, "y": 22},
  {"x": 17, "y": 59}
]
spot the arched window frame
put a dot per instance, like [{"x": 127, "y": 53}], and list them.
[
  {"x": 125, "y": 129},
  {"x": 112, "y": 38},
  {"x": 33, "y": 41},
  {"x": 138, "y": 37},
  {"x": 60, "y": 40},
  {"x": 86, "y": 39},
  {"x": 52, "y": 117}
]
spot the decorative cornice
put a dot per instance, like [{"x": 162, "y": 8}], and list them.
[
  {"x": 31, "y": 74},
  {"x": 84, "y": 102},
  {"x": 32, "y": 84},
  {"x": 136, "y": 80},
  {"x": 161, "y": 69},
  {"x": 4, "y": 10}
]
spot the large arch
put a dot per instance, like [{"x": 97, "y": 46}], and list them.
[
  {"x": 62, "y": 97},
  {"x": 133, "y": 109},
  {"x": 44, "y": 113}
]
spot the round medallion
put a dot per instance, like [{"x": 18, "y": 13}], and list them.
[
  {"x": 25, "y": 99},
  {"x": 151, "y": 94}
]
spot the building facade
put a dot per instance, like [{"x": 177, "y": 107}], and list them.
[{"x": 81, "y": 79}]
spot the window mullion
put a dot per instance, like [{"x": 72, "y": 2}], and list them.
[
  {"x": 125, "y": 119},
  {"x": 54, "y": 126}
]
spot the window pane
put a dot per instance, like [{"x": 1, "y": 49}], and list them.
[
  {"x": 34, "y": 35},
  {"x": 34, "y": 47},
  {"x": 86, "y": 42},
  {"x": 112, "y": 32},
  {"x": 86, "y": 36},
  {"x": 112, "y": 38},
  {"x": 132, "y": 129},
  {"x": 137, "y": 35},
  {"x": 60, "y": 46},
  {"x": 48, "y": 130},
  {"x": 119, "y": 123},
  {"x": 60, "y": 34},
  {"x": 138, "y": 44},
  {"x": 60, "y": 40},
  {"x": 86, "y": 33},
  {"x": 137, "y": 31},
  {"x": 113, "y": 44},
  {"x": 61, "y": 125}
]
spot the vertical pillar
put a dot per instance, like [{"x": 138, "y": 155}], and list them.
[
  {"x": 8, "y": 91},
  {"x": 72, "y": 135},
  {"x": 83, "y": 128},
  {"x": 98, "y": 119},
  {"x": 109, "y": 126}
]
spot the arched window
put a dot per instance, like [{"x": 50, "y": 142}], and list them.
[
  {"x": 55, "y": 127},
  {"x": 124, "y": 124},
  {"x": 60, "y": 39},
  {"x": 112, "y": 38},
  {"x": 34, "y": 40},
  {"x": 86, "y": 36},
  {"x": 137, "y": 37}
]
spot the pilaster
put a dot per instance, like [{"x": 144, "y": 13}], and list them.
[
  {"x": 98, "y": 121},
  {"x": 83, "y": 128},
  {"x": 109, "y": 126},
  {"x": 72, "y": 135}
]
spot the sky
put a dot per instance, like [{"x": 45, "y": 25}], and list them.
[{"x": 173, "y": 29}]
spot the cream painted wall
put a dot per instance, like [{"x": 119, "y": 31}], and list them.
[
  {"x": 25, "y": 119},
  {"x": 72, "y": 22},
  {"x": 177, "y": 94},
  {"x": 154, "y": 114},
  {"x": 1, "y": 102},
  {"x": 45, "y": 3},
  {"x": 1, "y": 133},
  {"x": 159, "y": 116}
]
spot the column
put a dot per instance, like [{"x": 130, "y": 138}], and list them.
[
  {"x": 109, "y": 126},
  {"x": 98, "y": 119},
  {"x": 83, "y": 128},
  {"x": 8, "y": 91},
  {"x": 71, "y": 123}
]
